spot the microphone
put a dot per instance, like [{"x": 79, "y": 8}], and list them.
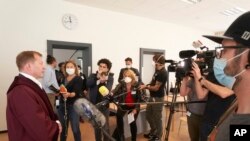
[
  {"x": 104, "y": 91},
  {"x": 107, "y": 96},
  {"x": 187, "y": 53},
  {"x": 88, "y": 111}
]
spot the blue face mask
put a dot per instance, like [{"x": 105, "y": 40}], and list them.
[{"x": 222, "y": 78}]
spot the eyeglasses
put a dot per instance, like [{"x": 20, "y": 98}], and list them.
[{"x": 220, "y": 50}]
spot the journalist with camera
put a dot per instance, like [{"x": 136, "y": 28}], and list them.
[{"x": 206, "y": 79}]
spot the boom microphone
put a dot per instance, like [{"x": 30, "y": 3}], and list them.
[
  {"x": 187, "y": 53},
  {"x": 88, "y": 111}
]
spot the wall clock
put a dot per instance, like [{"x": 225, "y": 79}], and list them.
[{"x": 69, "y": 21}]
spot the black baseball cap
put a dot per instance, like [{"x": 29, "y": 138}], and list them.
[{"x": 239, "y": 31}]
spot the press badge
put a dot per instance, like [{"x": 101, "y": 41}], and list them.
[
  {"x": 57, "y": 102},
  {"x": 188, "y": 113},
  {"x": 133, "y": 92}
]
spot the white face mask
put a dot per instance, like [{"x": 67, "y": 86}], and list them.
[
  {"x": 70, "y": 71},
  {"x": 127, "y": 79}
]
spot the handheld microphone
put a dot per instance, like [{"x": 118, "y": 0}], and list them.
[
  {"x": 107, "y": 97},
  {"x": 88, "y": 111},
  {"x": 187, "y": 53},
  {"x": 104, "y": 91}
]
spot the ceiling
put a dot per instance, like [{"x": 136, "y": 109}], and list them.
[{"x": 204, "y": 15}]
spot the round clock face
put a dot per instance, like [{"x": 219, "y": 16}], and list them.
[{"x": 69, "y": 21}]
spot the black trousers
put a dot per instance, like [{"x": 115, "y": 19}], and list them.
[{"x": 119, "y": 131}]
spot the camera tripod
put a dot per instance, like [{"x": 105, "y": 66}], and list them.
[{"x": 172, "y": 107}]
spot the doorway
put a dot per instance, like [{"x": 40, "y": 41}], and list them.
[
  {"x": 146, "y": 68},
  {"x": 81, "y": 53}
]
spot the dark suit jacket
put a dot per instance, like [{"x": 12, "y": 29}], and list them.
[
  {"x": 93, "y": 87},
  {"x": 30, "y": 116},
  {"x": 120, "y": 78}
]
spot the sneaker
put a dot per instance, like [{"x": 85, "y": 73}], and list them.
[
  {"x": 148, "y": 135},
  {"x": 154, "y": 138}
]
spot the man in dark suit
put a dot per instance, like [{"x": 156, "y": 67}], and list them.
[
  {"x": 128, "y": 62},
  {"x": 30, "y": 116}
]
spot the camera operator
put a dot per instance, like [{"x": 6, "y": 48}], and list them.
[
  {"x": 156, "y": 88},
  {"x": 194, "y": 110},
  {"x": 235, "y": 62},
  {"x": 219, "y": 99}
]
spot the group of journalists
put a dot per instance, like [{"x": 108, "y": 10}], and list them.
[{"x": 42, "y": 111}]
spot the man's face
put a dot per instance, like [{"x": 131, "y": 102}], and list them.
[
  {"x": 128, "y": 63},
  {"x": 232, "y": 67},
  {"x": 158, "y": 66},
  {"x": 54, "y": 64},
  {"x": 37, "y": 67},
  {"x": 103, "y": 67},
  {"x": 62, "y": 67}
]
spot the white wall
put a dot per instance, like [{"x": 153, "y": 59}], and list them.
[{"x": 28, "y": 24}]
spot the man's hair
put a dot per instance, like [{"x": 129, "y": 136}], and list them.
[
  {"x": 159, "y": 58},
  {"x": 61, "y": 64},
  {"x": 78, "y": 66},
  {"x": 50, "y": 59},
  {"x": 128, "y": 59},
  {"x": 24, "y": 57},
  {"x": 105, "y": 61}
]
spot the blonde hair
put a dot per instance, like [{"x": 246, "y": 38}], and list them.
[{"x": 131, "y": 74}]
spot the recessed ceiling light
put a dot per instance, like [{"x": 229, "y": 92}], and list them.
[
  {"x": 191, "y": 1},
  {"x": 233, "y": 11}
]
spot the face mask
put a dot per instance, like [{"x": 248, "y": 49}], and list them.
[
  {"x": 222, "y": 78},
  {"x": 127, "y": 79},
  {"x": 128, "y": 66},
  {"x": 70, "y": 71},
  {"x": 219, "y": 65}
]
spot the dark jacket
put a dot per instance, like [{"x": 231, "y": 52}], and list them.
[
  {"x": 30, "y": 116},
  {"x": 93, "y": 87},
  {"x": 120, "y": 78},
  {"x": 75, "y": 85}
]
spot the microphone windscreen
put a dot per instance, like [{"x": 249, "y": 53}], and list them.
[
  {"x": 104, "y": 91},
  {"x": 89, "y": 112},
  {"x": 187, "y": 53}
]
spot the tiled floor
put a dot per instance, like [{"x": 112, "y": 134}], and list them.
[{"x": 88, "y": 135}]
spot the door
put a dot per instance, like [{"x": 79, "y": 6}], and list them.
[{"x": 81, "y": 53}]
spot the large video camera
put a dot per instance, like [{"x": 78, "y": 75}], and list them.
[{"x": 183, "y": 68}]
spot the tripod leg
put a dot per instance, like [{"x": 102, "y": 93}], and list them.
[{"x": 172, "y": 110}]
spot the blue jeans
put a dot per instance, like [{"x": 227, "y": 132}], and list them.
[{"x": 73, "y": 117}]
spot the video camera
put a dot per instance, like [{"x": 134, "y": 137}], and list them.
[{"x": 184, "y": 67}]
